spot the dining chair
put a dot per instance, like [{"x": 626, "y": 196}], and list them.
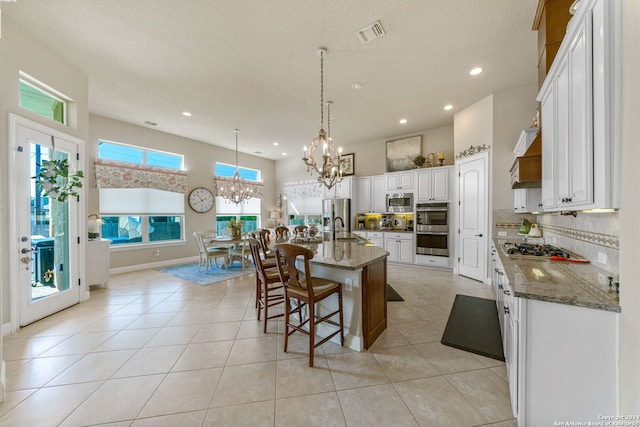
[
  {"x": 300, "y": 290},
  {"x": 268, "y": 256},
  {"x": 208, "y": 253},
  {"x": 241, "y": 252},
  {"x": 282, "y": 233},
  {"x": 268, "y": 285},
  {"x": 300, "y": 230}
]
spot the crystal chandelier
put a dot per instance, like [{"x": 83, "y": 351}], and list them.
[
  {"x": 328, "y": 166},
  {"x": 236, "y": 189}
]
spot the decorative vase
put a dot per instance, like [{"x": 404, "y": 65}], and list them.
[{"x": 236, "y": 232}]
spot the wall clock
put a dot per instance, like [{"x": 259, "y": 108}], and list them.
[{"x": 201, "y": 200}]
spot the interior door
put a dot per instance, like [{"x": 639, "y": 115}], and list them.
[
  {"x": 473, "y": 213},
  {"x": 46, "y": 254}
]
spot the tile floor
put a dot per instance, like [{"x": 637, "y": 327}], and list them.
[{"x": 153, "y": 350}]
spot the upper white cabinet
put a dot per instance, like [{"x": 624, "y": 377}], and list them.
[
  {"x": 342, "y": 190},
  {"x": 526, "y": 200},
  {"x": 400, "y": 181},
  {"x": 370, "y": 194},
  {"x": 433, "y": 184},
  {"x": 579, "y": 103}
]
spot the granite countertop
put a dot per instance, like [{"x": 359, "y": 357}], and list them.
[
  {"x": 559, "y": 281},
  {"x": 348, "y": 251}
]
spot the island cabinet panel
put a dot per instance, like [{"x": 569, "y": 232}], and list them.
[{"x": 374, "y": 301}]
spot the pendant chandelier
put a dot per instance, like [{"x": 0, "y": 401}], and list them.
[
  {"x": 236, "y": 190},
  {"x": 327, "y": 166}
]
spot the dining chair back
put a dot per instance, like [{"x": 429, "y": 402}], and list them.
[
  {"x": 282, "y": 233},
  {"x": 241, "y": 251},
  {"x": 208, "y": 253},
  {"x": 300, "y": 290},
  {"x": 268, "y": 285}
]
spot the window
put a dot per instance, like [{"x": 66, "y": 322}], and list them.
[
  {"x": 248, "y": 212},
  {"x": 35, "y": 98},
  {"x": 144, "y": 212}
]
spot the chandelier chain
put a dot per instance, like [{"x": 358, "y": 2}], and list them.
[{"x": 321, "y": 89}]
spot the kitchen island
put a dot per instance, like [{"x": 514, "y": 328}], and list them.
[{"x": 361, "y": 267}]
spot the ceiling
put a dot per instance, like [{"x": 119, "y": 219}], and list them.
[{"x": 253, "y": 64}]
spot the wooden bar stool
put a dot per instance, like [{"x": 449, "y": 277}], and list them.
[
  {"x": 268, "y": 285},
  {"x": 301, "y": 289}
]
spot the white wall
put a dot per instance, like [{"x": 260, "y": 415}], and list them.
[
  {"x": 199, "y": 161},
  {"x": 474, "y": 125}
]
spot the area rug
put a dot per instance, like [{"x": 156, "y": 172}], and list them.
[
  {"x": 473, "y": 326},
  {"x": 190, "y": 272},
  {"x": 392, "y": 295}
]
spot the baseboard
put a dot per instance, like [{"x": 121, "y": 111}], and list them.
[
  {"x": 3, "y": 376},
  {"x": 6, "y": 329},
  {"x": 153, "y": 265}
]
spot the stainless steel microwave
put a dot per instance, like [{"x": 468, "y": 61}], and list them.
[{"x": 400, "y": 202}]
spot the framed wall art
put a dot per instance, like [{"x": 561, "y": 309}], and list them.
[
  {"x": 347, "y": 164},
  {"x": 401, "y": 152}
]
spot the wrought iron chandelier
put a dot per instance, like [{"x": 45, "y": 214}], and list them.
[
  {"x": 236, "y": 189},
  {"x": 328, "y": 167}
]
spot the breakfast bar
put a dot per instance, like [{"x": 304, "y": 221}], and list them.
[{"x": 361, "y": 267}]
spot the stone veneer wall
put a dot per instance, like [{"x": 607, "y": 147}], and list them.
[{"x": 586, "y": 235}]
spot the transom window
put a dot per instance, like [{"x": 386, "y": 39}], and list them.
[
  {"x": 36, "y": 98},
  {"x": 249, "y": 212}
]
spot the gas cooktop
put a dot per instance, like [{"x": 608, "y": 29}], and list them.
[{"x": 532, "y": 250}]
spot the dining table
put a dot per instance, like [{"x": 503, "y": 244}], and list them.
[{"x": 227, "y": 242}]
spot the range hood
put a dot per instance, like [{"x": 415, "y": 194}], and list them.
[{"x": 526, "y": 171}]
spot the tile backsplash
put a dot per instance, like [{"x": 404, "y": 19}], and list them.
[{"x": 594, "y": 236}]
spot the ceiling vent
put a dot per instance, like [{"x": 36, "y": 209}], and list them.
[
  {"x": 371, "y": 32},
  {"x": 150, "y": 123}
]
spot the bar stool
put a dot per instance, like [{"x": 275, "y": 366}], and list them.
[
  {"x": 306, "y": 290},
  {"x": 267, "y": 294}
]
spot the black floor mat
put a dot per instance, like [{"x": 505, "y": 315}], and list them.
[
  {"x": 392, "y": 295},
  {"x": 473, "y": 326}
]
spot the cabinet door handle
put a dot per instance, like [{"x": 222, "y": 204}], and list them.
[
  {"x": 479, "y": 235},
  {"x": 506, "y": 310},
  {"x": 506, "y": 292}
]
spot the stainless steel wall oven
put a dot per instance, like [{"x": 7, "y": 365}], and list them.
[{"x": 432, "y": 229}]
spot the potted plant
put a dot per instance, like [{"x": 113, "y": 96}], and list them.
[
  {"x": 235, "y": 227},
  {"x": 420, "y": 161}
]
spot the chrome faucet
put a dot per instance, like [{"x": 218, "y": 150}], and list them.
[{"x": 334, "y": 225}]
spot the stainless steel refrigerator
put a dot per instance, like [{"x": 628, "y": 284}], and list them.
[{"x": 336, "y": 215}]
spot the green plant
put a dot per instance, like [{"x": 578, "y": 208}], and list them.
[
  {"x": 56, "y": 182},
  {"x": 233, "y": 224},
  {"x": 419, "y": 161}
]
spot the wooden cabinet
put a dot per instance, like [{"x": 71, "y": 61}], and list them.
[
  {"x": 578, "y": 105},
  {"x": 401, "y": 247},
  {"x": 527, "y": 200},
  {"x": 374, "y": 301},
  {"x": 400, "y": 181},
  {"x": 370, "y": 194},
  {"x": 433, "y": 184},
  {"x": 97, "y": 262}
]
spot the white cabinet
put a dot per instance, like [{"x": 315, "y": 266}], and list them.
[
  {"x": 527, "y": 200},
  {"x": 433, "y": 261},
  {"x": 433, "y": 184},
  {"x": 342, "y": 190},
  {"x": 579, "y": 102},
  {"x": 97, "y": 262},
  {"x": 376, "y": 237},
  {"x": 400, "y": 246},
  {"x": 400, "y": 181},
  {"x": 370, "y": 194}
]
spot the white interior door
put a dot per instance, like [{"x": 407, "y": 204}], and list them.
[
  {"x": 45, "y": 248},
  {"x": 473, "y": 213}
]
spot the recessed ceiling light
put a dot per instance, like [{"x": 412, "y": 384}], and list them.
[
  {"x": 276, "y": 144},
  {"x": 475, "y": 71},
  {"x": 403, "y": 121},
  {"x": 448, "y": 107},
  {"x": 284, "y": 154},
  {"x": 186, "y": 114},
  {"x": 357, "y": 86}
]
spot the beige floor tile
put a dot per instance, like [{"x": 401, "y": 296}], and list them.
[
  {"x": 93, "y": 367},
  {"x": 397, "y": 313},
  {"x": 227, "y": 314},
  {"x": 435, "y": 402},
  {"x": 486, "y": 391},
  {"x": 27, "y": 348},
  {"x": 233, "y": 302},
  {"x": 258, "y": 414},
  {"x": 319, "y": 410},
  {"x": 375, "y": 406},
  {"x": 12, "y": 398},
  {"x": 355, "y": 370},
  {"x": 128, "y": 339},
  {"x": 48, "y": 406},
  {"x": 295, "y": 378},
  {"x": 487, "y": 361},
  {"x": 252, "y": 350},
  {"x": 419, "y": 332},
  {"x": 37, "y": 372},
  {"x": 213, "y": 354},
  {"x": 500, "y": 371},
  {"x": 448, "y": 360},
  {"x": 116, "y": 400},
  {"x": 172, "y": 335},
  {"x": 79, "y": 344},
  {"x": 183, "y": 392},
  {"x": 258, "y": 382},
  {"x": 298, "y": 346},
  {"x": 404, "y": 363},
  {"x": 391, "y": 337},
  {"x": 191, "y": 317},
  {"x": 508, "y": 423},
  {"x": 151, "y": 360},
  {"x": 168, "y": 307},
  {"x": 111, "y": 323},
  {"x": 222, "y": 331},
  {"x": 254, "y": 328},
  {"x": 186, "y": 419},
  {"x": 151, "y": 320}
]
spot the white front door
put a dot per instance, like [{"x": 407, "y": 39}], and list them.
[
  {"x": 472, "y": 220},
  {"x": 45, "y": 236}
]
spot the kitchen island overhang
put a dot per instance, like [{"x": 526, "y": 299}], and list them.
[{"x": 361, "y": 267}]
